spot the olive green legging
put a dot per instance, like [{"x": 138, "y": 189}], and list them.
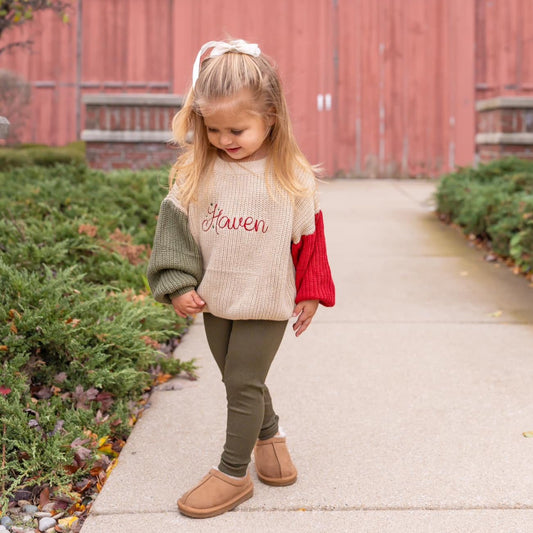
[{"x": 244, "y": 351}]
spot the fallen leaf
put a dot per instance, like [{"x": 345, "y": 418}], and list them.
[
  {"x": 111, "y": 466},
  {"x": 4, "y": 391},
  {"x": 102, "y": 463},
  {"x": 42, "y": 392},
  {"x": 496, "y": 314},
  {"x": 150, "y": 342},
  {"x": 108, "y": 450},
  {"x": 23, "y": 456},
  {"x": 100, "y": 418},
  {"x": 162, "y": 378},
  {"x": 13, "y": 313},
  {"x": 78, "y": 442},
  {"x": 106, "y": 400},
  {"x": 92, "y": 393},
  {"x": 67, "y": 522},
  {"x": 95, "y": 470},
  {"x": 88, "y": 229},
  {"x": 59, "y": 378},
  {"x": 91, "y": 435},
  {"x": 82, "y": 454},
  {"x": 83, "y": 485},
  {"x": 84, "y": 397},
  {"x": 71, "y": 469},
  {"x": 33, "y": 424},
  {"x": 58, "y": 427},
  {"x": 528, "y": 433},
  {"x": 44, "y": 497}
]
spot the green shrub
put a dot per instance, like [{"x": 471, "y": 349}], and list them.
[
  {"x": 81, "y": 340},
  {"x": 495, "y": 203},
  {"x": 35, "y": 154}
]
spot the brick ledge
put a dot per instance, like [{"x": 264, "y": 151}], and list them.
[
  {"x": 126, "y": 136},
  {"x": 133, "y": 99},
  {"x": 504, "y": 138},
  {"x": 505, "y": 102}
]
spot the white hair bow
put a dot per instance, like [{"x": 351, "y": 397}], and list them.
[{"x": 221, "y": 48}]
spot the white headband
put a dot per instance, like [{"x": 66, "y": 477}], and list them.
[{"x": 221, "y": 48}]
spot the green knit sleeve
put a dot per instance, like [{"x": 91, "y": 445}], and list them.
[{"x": 175, "y": 265}]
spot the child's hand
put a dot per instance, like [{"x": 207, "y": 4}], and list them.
[
  {"x": 305, "y": 311},
  {"x": 188, "y": 304}
]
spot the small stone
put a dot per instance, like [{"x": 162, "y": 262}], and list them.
[
  {"x": 51, "y": 530},
  {"x": 46, "y": 523},
  {"x": 6, "y": 522},
  {"x": 30, "y": 509},
  {"x": 3, "y": 529},
  {"x": 49, "y": 507},
  {"x": 27, "y": 518},
  {"x": 22, "y": 503},
  {"x": 42, "y": 514}
]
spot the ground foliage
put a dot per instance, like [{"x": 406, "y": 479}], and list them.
[
  {"x": 81, "y": 340},
  {"x": 25, "y": 155},
  {"x": 493, "y": 204}
]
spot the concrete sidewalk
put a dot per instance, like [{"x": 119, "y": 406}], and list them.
[{"x": 404, "y": 405}]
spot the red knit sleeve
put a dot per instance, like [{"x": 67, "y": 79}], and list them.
[{"x": 313, "y": 274}]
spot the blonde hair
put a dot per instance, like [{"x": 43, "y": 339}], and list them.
[{"x": 222, "y": 77}]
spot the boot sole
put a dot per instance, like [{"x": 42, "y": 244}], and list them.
[
  {"x": 191, "y": 512},
  {"x": 277, "y": 482}
]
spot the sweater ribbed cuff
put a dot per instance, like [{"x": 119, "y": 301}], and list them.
[
  {"x": 183, "y": 290},
  {"x": 172, "y": 283}
]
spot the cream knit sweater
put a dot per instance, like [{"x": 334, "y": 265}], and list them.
[{"x": 233, "y": 244}]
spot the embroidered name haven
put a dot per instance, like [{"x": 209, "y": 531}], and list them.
[{"x": 217, "y": 220}]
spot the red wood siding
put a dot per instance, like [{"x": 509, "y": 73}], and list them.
[
  {"x": 51, "y": 69},
  {"x": 402, "y": 75},
  {"x": 406, "y": 86},
  {"x": 504, "y": 35}
]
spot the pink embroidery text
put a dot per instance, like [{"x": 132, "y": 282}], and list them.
[{"x": 217, "y": 220}]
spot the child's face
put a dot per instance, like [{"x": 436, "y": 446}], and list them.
[{"x": 235, "y": 129}]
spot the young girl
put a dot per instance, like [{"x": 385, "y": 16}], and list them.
[{"x": 240, "y": 238}]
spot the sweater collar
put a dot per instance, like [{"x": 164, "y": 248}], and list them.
[{"x": 235, "y": 167}]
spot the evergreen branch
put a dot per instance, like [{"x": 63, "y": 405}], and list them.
[{"x": 23, "y": 44}]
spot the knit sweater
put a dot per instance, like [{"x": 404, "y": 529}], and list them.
[{"x": 249, "y": 253}]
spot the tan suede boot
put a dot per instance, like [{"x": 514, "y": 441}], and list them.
[
  {"x": 273, "y": 462},
  {"x": 215, "y": 494}
]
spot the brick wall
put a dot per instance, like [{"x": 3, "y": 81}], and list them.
[
  {"x": 129, "y": 130},
  {"x": 504, "y": 128}
]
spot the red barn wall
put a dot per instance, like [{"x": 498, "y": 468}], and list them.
[{"x": 375, "y": 87}]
